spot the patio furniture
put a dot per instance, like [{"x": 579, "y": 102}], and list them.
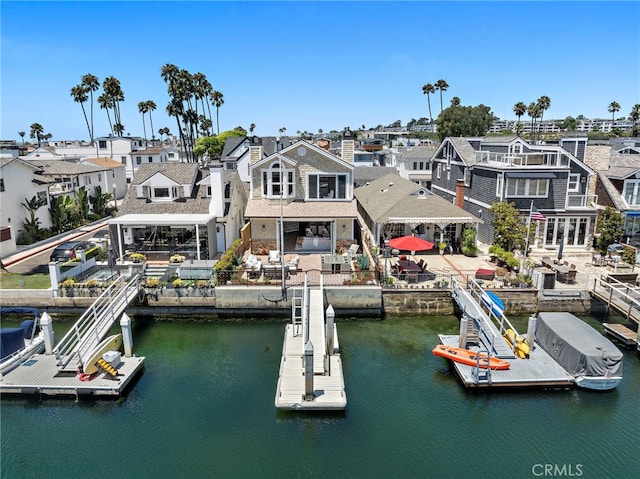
[
  {"x": 272, "y": 271},
  {"x": 335, "y": 263},
  {"x": 274, "y": 256},
  {"x": 292, "y": 265},
  {"x": 253, "y": 266},
  {"x": 486, "y": 274},
  {"x": 353, "y": 250}
]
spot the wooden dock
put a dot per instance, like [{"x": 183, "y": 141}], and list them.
[
  {"x": 620, "y": 297},
  {"x": 318, "y": 385},
  {"x": 623, "y": 334},
  {"x": 539, "y": 370}
]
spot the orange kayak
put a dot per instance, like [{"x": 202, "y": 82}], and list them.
[{"x": 468, "y": 357}]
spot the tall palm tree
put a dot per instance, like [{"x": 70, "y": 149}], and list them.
[
  {"x": 442, "y": 86},
  {"x": 427, "y": 90},
  {"x": 143, "y": 108},
  {"x": 252, "y": 127},
  {"x": 634, "y": 116},
  {"x": 105, "y": 103},
  {"x": 519, "y": 109},
  {"x": 22, "y": 133},
  {"x": 151, "y": 106},
  {"x": 91, "y": 83},
  {"x": 614, "y": 106},
  {"x": 113, "y": 90},
  {"x": 544, "y": 102},
  {"x": 36, "y": 132},
  {"x": 218, "y": 101},
  {"x": 533, "y": 110},
  {"x": 79, "y": 95},
  {"x": 455, "y": 101}
]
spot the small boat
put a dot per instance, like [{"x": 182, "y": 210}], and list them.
[
  {"x": 470, "y": 358},
  {"x": 592, "y": 359},
  {"x": 493, "y": 302},
  {"x": 521, "y": 349},
  {"x": 19, "y": 344}
]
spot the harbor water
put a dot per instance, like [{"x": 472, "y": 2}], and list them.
[{"x": 204, "y": 408}]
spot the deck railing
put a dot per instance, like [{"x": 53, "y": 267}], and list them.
[{"x": 550, "y": 159}]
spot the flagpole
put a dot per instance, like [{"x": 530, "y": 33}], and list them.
[{"x": 526, "y": 244}]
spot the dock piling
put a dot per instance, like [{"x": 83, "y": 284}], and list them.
[{"x": 308, "y": 371}]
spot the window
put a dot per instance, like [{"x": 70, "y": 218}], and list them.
[
  {"x": 276, "y": 179},
  {"x": 631, "y": 192},
  {"x": 327, "y": 186},
  {"x": 123, "y": 160},
  {"x": 102, "y": 144},
  {"x": 161, "y": 193},
  {"x": 42, "y": 196},
  {"x": 99, "y": 177},
  {"x": 574, "y": 182},
  {"x": 1, "y": 184},
  {"x": 151, "y": 159},
  {"x": 171, "y": 154},
  {"x": 499, "y": 185},
  {"x": 438, "y": 168},
  {"x": 527, "y": 187},
  {"x": 138, "y": 160},
  {"x": 229, "y": 165}
]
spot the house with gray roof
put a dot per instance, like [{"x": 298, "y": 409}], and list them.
[
  {"x": 484, "y": 170},
  {"x": 180, "y": 208},
  {"x": 392, "y": 206},
  {"x": 619, "y": 185},
  {"x": 301, "y": 197}
]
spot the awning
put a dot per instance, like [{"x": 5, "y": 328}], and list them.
[
  {"x": 633, "y": 214},
  {"x": 530, "y": 174}
]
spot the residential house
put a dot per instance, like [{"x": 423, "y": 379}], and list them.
[
  {"x": 392, "y": 206},
  {"x": 115, "y": 179},
  {"x": 550, "y": 178},
  {"x": 236, "y": 155},
  {"x": 364, "y": 175},
  {"x": 20, "y": 181},
  {"x": 414, "y": 164},
  {"x": 301, "y": 198},
  {"x": 150, "y": 154},
  {"x": 619, "y": 185},
  {"x": 176, "y": 208}
]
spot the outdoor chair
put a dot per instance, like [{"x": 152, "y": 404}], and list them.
[{"x": 274, "y": 256}]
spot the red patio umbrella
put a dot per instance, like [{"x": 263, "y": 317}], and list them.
[{"x": 410, "y": 243}]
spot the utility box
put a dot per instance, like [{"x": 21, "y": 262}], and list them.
[
  {"x": 544, "y": 278},
  {"x": 113, "y": 358}
]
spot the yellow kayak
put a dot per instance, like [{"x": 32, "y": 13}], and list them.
[{"x": 521, "y": 349}]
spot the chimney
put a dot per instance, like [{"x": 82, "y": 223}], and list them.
[
  {"x": 255, "y": 149},
  {"x": 459, "y": 201},
  {"x": 216, "y": 204},
  {"x": 348, "y": 143}
]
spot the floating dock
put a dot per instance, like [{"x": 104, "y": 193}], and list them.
[
  {"x": 311, "y": 376},
  {"x": 623, "y": 334}
]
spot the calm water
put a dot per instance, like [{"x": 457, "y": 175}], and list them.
[{"x": 204, "y": 407}]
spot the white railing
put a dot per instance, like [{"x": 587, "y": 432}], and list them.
[
  {"x": 582, "y": 201},
  {"x": 548, "y": 159}
]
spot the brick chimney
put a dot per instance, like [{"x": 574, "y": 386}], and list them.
[
  {"x": 459, "y": 201},
  {"x": 255, "y": 149},
  {"x": 348, "y": 146}
]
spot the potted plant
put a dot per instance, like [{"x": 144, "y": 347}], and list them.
[
  {"x": 176, "y": 258},
  {"x": 137, "y": 257},
  {"x": 441, "y": 246}
]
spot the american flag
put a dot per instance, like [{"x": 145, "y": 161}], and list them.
[{"x": 536, "y": 215}]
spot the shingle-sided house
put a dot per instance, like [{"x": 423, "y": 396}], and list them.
[
  {"x": 236, "y": 153},
  {"x": 619, "y": 186},
  {"x": 392, "y": 206},
  {"x": 550, "y": 177},
  {"x": 176, "y": 208},
  {"x": 302, "y": 194}
]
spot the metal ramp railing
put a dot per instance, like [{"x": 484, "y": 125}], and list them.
[
  {"x": 622, "y": 297},
  {"x": 94, "y": 324}
]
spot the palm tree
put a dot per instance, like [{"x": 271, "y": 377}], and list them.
[
  {"x": 427, "y": 90},
  {"x": 251, "y": 128},
  {"x": 105, "y": 103},
  {"x": 442, "y": 86},
  {"x": 614, "y": 106},
  {"x": 79, "y": 95},
  {"x": 519, "y": 109},
  {"x": 282, "y": 130},
  {"x": 455, "y": 101},
  {"x": 151, "y": 106},
  {"x": 32, "y": 224},
  {"x": 112, "y": 89},
  {"x": 36, "y": 132},
  {"x": 544, "y": 102},
  {"x": 22, "y": 133},
  {"x": 218, "y": 101},
  {"x": 634, "y": 116},
  {"x": 533, "y": 110},
  {"x": 142, "y": 108},
  {"x": 91, "y": 83}
]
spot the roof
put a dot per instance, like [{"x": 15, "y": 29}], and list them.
[
  {"x": 104, "y": 162},
  {"x": 181, "y": 173},
  {"x": 61, "y": 167},
  {"x": 131, "y": 204},
  {"x": 614, "y": 195},
  {"x": 419, "y": 152},
  {"x": 163, "y": 219},
  {"x": 392, "y": 199},
  {"x": 369, "y": 173},
  {"x": 259, "y": 208}
]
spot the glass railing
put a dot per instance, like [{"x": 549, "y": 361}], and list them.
[
  {"x": 582, "y": 201},
  {"x": 549, "y": 159}
]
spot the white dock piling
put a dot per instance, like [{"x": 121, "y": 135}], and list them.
[
  {"x": 127, "y": 337},
  {"x": 330, "y": 315},
  {"x": 47, "y": 327},
  {"x": 531, "y": 331},
  {"x": 464, "y": 324}
]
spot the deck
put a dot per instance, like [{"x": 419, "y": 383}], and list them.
[
  {"x": 40, "y": 375},
  {"x": 328, "y": 392},
  {"x": 540, "y": 370},
  {"x": 623, "y": 334}
]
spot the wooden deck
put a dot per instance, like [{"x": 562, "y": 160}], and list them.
[
  {"x": 623, "y": 334},
  {"x": 40, "y": 375},
  {"x": 540, "y": 370},
  {"x": 328, "y": 379}
]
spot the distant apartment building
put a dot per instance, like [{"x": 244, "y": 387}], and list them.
[{"x": 551, "y": 126}]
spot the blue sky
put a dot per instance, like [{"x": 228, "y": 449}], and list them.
[{"x": 310, "y": 65}]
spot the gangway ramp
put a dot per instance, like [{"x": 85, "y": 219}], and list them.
[
  {"x": 94, "y": 324},
  {"x": 310, "y": 376},
  {"x": 618, "y": 296}
]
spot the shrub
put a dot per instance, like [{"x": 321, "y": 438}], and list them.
[
  {"x": 363, "y": 262},
  {"x": 152, "y": 282},
  {"x": 177, "y": 283},
  {"x": 68, "y": 283}
]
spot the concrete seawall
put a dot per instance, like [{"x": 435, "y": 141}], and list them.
[{"x": 363, "y": 301}]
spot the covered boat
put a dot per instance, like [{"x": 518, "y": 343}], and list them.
[
  {"x": 591, "y": 358},
  {"x": 18, "y": 344}
]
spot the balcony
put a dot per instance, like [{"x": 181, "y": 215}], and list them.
[
  {"x": 581, "y": 201},
  {"x": 519, "y": 160}
]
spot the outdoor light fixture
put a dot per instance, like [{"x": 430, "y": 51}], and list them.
[{"x": 264, "y": 227}]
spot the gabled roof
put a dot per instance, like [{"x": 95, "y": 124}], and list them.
[
  {"x": 61, "y": 167},
  {"x": 104, "y": 162},
  {"x": 231, "y": 144},
  {"x": 394, "y": 199},
  {"x": 5, "y": 161},
  {"x": 370, "y": 173},
  {"x": 614, "y": 195},
  {"x": 181, "y": 173}
]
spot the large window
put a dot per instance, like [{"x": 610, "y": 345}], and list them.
[
  {"x": 276, "y": 180},
  {"x": 574, "y": 182},
  {"x": 572, "y": 231},
  {"x": 631, "y": 192},
  {"x": 527, "y": 187},
  {"x": 327, "y": 186}
]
